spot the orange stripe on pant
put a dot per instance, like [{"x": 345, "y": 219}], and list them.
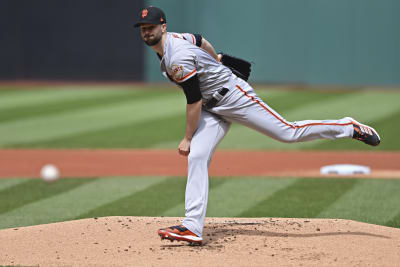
[{"x": 281, "y": 120}]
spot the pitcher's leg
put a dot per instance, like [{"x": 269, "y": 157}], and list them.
[
  {"x": 210, "y": 132},
  {"x": 264, "y": 119},
  {"x": 272, "y": 124}
]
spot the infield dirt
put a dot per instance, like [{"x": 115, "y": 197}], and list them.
[
  {"x": 132, "y": 241},
  {"x": 129, "y": 162}
]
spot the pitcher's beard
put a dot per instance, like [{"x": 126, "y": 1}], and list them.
[{"x": 153, "y": 42}]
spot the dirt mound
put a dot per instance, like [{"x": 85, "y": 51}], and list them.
[{"x": 128, "y": 241}]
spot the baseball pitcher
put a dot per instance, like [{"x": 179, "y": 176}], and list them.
[{"x": 217, "y": 93}]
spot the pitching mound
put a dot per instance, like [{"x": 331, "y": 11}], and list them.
[{"x": 128, "y": 241}]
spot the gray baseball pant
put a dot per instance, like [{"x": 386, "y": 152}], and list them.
[{"x": 242, "y": 105}]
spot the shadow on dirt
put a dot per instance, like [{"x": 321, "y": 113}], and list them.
[{"x": 215, "y": 234}]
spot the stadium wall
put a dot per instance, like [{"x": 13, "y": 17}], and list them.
[
  {"x": 337, "y": 42},
  {"x": 310, "y": 41},
  {"x": 70, "y": 40}
]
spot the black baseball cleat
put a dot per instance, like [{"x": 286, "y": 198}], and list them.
[{"x": 365, "y": 133}]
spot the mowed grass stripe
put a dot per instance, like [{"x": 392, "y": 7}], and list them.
[
  {"x": 306, "y": 198},
  {"x": 178, "y": 210},
  {"x": 70, "y": 204},
  {"x": 236, "y": 196},
  {"x": 151, "y": 201},
  {"x": 363, "y": 106},
  {"x": 138, "y": 135},
  {"x": 95, "y": 98},
  {"x": 98, "y": 118},
  {"x": 32, "y": 190},
  {"x": 365, "y": 202},
  {"x": 21, "y": 98},
  {"x": 290, "y": 100},
  {"x": 7, "y": 183}
]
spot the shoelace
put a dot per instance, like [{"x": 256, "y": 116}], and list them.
[{"x": 362, "y": 132}]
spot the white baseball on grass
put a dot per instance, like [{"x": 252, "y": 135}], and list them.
[{"x": 49, "y": 173}]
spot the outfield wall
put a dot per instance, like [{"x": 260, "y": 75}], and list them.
[
  {"x": 344, "y": 42},
  {"x": 70, "y": 39},
  {"x": 350, "y": 42}
]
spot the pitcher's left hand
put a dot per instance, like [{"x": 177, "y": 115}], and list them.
[{"x": 184, "y": 147}]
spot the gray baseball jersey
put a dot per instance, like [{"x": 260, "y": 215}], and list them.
[{"x": 182, "y": 59}]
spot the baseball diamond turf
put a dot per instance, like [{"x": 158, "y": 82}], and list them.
[
  {"x": 154, "y": 117},
  {"x": 26, "y": 202},
  {"x": 148, "y": 117}
]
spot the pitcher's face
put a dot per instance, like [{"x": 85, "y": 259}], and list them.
[{"x": 151, "y": 33}]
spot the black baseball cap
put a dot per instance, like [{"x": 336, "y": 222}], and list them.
[{"x": 151, "y": 15}]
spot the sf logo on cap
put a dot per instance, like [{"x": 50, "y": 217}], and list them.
[{"x": 144, "y": 13}]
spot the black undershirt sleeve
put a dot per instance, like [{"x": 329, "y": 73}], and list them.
[
  {"x": 191, "y": 88},
  {"x": 199, "y": 39}
]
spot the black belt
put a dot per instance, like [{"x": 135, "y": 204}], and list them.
[{"x": 217, "y": 96}]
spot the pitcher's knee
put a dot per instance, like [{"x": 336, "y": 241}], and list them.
[
  {"x": 199, "y": 156},
  {"x": 287, "y": 136}
]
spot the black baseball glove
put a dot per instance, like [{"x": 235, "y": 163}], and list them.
[{"x": 238, "y": 66}]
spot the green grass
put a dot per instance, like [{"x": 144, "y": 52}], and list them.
[
  {"x": 154, "y": 117},
  {"x": 305, "y": 198},
  {"x": 34, "y": 202},
  {"x": 134, "y": 135},
  {"x": 42, "y": 191}
]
